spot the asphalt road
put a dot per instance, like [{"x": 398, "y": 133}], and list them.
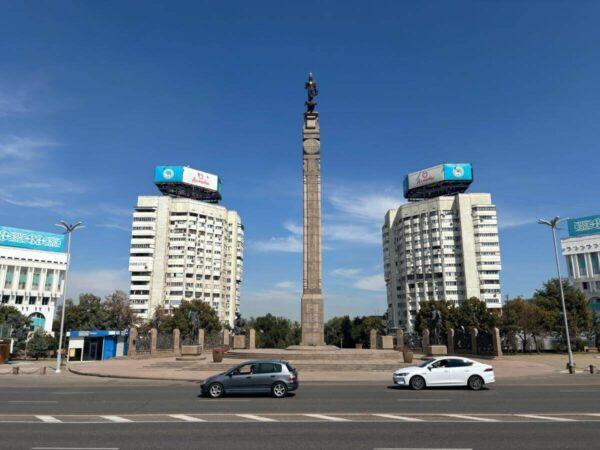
[{"x": 79, "y": 412}]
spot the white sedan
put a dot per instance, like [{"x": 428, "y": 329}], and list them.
[{"x": 446, "y": 371}]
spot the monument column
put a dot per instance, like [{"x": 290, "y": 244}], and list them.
[{"x": 312, "y": 295}]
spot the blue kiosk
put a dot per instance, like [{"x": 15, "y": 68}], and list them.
[{"x": 96, "y": 345}]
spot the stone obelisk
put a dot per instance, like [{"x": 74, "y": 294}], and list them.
[{"x": 312, "y": 294}]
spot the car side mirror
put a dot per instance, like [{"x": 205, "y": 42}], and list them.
[{"x": 429, "y": 368}]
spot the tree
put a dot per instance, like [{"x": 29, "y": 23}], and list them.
[
  {"x": 275, "y": 332},
  {"x": 88, "y": 314},
  {"x": 524, "y": 319},
  {"x": 20, "y": 324},
  {"x": 424, "y": 315},
  {"x": 362, "y": 326},
  {"x": 579, "y": 313},
  {"x": 180, "y": 318},
  {"x": 118, "y": 313},
  {"x": 472, "y": 313},
  {"x": 338, "y": 331},
  {"x": 37, "y": 346}
]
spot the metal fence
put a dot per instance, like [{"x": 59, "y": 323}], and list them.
[
  {"x": 485, "y": 343},
  {"x": 164, "y": 341},
  {"x": 440, "y": 339},
  {"x": 462, "y": 341},
  {"x": 414, "y": 341},
  {"x": 189, "y": 339},
  {"x": 143, "y": 343},
  {"x": 212, "y": 340}
]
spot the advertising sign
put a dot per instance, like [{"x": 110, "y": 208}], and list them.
[
  {"x": 186, "y": 175},
  {"x": 439, "y": 173},
  {"x": 584, "y": 225},
  {"x": 34, "y": 240}
]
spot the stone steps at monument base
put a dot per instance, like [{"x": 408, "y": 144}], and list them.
[
  {"x": 376, "y": 356},
  {"x": 308, "y": 367}
]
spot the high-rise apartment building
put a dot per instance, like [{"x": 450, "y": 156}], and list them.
[
  {"x": 185, "y": 249},
  {"x": 440, "y": 248}
]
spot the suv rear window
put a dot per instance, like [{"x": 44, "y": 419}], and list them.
[
  {"x": 269, "y": 368},
  {"x": 291, "y": 368}
]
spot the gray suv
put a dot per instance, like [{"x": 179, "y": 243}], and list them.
[{"x": 263, "y": 376}]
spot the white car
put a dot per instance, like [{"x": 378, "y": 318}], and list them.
[{"x": 446, "y": 371}]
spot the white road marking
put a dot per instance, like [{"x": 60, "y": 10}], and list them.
[
  {"x": 394, "y": 416},
  {"x": 74, "y": 448},
  {"x": 535, "y": 416},
  {"x": 32, "y": 401},
  {"x": 49, "y": 419},
  {"x": 423, "y": 400},
  {"x": 330, "y": 418},
  {"x": 477, "y": 419},
  {"x": 186, "y": 418},
  {"x": 257, "y": 418},
  {"x": 116, "y": 419},
  {"x": 592, "y": 414}
]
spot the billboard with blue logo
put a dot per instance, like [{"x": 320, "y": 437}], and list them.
[
  {"x": 33, "y": 240},
  {"x": 186, "y": 175},
  {"x": 453, "y": 177},
  {"x": 584, "y": 225}
]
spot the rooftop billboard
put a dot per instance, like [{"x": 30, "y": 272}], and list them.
[
  {"x": 584, "y": 225},
  {"x": 186, "y": 175},
  {"x": 439, "y": 173},
  {"x": 34, "y": 240}
]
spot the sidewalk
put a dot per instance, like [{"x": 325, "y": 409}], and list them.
[{"x": 170, "y": 369}]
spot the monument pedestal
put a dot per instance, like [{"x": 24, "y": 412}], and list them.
[
  {"x": 436, "y": 350},
  {"x": 312, "y": 321}
]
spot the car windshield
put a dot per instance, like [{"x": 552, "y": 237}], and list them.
[{"x": 424, "y": 363}]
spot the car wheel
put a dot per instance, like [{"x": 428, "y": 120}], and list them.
[
  {"x": 475, "y": 382},
  {"x": 279, "y": 390},
  {"x": 417, "y": 383},
  {"x": 216, "y": 390}
]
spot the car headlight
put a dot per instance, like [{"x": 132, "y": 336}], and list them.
[{"x": 402, "y": 374}]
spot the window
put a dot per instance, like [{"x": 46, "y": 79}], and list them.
[
  {"x": 10, "y": 272},
  {"x": 32, "y": 300},
  {"x": 22, "y": 278},
  {"x": 269, "y": 368},
  {"x": 581, "y": 264},
  {"x": 35, "y": 284},
  {"x": 595, "y": 263},
  {"x": 459, "y": 363},
  {"x": 246, "y": 369},
  {"x": 441, "y": 363},
  {"x": 45, "y": 301},
  {"x": 5, "y": 298},
  {"x": 19, "y": 300}
]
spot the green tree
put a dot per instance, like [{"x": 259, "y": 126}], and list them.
[
  {"x": 525, "y": 319},
  {"x": 275, "y": 332},
  {"x": 338, "y": 331},
  {"x": 362, "y": 326},
  {"x": 88, "y": 314},
  {"x": 37, "y": 345},
  {"x": 20, "y": 324},
  {"x": 180, "y": 318},
  {"x": 424, "y": 314},
  {"x": 579, "y": 313},
  {"x": 118, "y": 313},
  {"x": 472, "y": 313}
]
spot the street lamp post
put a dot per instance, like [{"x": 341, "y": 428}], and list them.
[
  {"x": 552, "y": 223},
  {"x": 69, "y": 228}
]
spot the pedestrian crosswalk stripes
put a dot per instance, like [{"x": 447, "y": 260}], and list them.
[{"x": 276, "y": 418}]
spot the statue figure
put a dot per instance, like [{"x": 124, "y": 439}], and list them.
[
  {"x": 385, "y": 324},
  {"x": 435, "y": 326},
  {"x": 312, "y": 92},
  {"x": 194, "y": 323},
  {"x": 239, "y": 324}
]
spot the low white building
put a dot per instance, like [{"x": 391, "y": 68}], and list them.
[
  {"x": 32, "y": 271},
  {"x": 582, "y": 254}
]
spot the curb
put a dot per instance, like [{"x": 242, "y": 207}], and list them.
[{"x": 131, "y": 377}]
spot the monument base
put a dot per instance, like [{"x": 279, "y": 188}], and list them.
[
  {"x": 313, "y": 348},
  {"x": 312, "y": 320},
  {"x": 436, "y": 350}
]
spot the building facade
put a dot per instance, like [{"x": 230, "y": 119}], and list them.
[
  {"x": 185, "y": 249},
  {"x": 32, "y": 273},
  {"x": 442, "y": 248},
  {"x": 582, "y": 254}
]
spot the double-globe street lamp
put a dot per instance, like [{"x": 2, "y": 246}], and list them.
[
  {"x": 552, "y": 223},
  {"x": 69, "y": 228}
]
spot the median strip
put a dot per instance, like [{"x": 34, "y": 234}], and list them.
[
  {"x": 330, "y": 418},
  {"x": 396, "y": 417}
]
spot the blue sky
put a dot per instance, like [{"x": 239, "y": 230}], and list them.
[{"x": 93, "y": 95}]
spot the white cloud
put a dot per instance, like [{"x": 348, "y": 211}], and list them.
[
  {"x": 345, "y": 273},
  {"x": 16, "y": 102},
  {"x": 23, "y": 148},
  {"x": 290, "y": 244},
  {"x": 370, "y": 283},
  {"x": 100, "y": 282},
  {"x": 369, "y": 207},
  {"x": 291, "y": 285},
  {"x": 281, "y": 299},
  {"x": 360, "y": 234},
  {"x": 294, "y": 228},
  {"x": 114, "y": 226}
]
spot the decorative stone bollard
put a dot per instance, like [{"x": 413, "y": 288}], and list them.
[
  {"x": 251, "y": 339},
  {"x": 373, "y": 340},
  {"x": 450, "y": 341},
  {"x": 474, "y": 333},
  {"x": 176, "y": 341},
  {"x": 201, "y": 339},
  {"x": 153, "y": 340},
  {"x": 497, "y": 342},
  {"x": 131, "y": 345},
  {"x": 399, "y": 340}
]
